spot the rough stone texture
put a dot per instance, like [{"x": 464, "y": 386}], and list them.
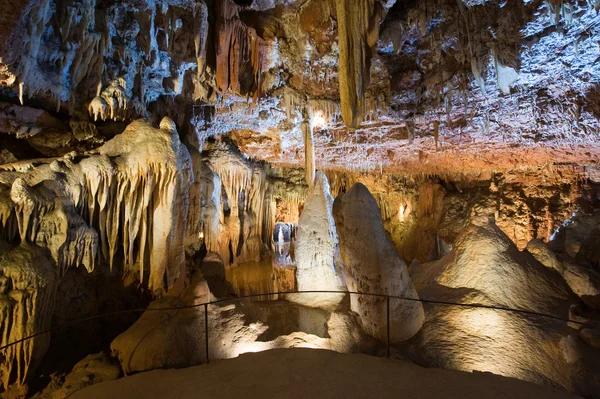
[
  {"x": 92, "y": 370},
  {"x": 316, "y": 246},
  {"x": 544, "y": 255},
  {"x": 372, "y": 265},
  {"x": 584, "y": 282},
  {"x": 128, "y": 197},
  {"x": 485, "y": 259},
  {"x": 590, "y": 336},
  {"x": 28, "y": 282},
  {"x": 486, "y": 268},
  {"x": 176, "y": 338},
  {"x": 576, "y": 241}
]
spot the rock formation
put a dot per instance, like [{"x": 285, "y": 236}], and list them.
[
  {"x": 486, "y": 268},
  {"x": 237, "y": 46},
  {"x": 372, "y": 265},
  {"x": 358, "y": 29},
  {"x": 93, "y": 369},
  {"x": 234, "y": 328},
  {"x": 316, "y": 248},
  {"x": 144, "y": 347},
  {"x": 150, "y": 148},
  {"x": 28, "y": 283},
  {"x": 126, "y": 201}
]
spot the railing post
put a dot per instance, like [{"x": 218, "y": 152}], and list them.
[
  {"x": 388, "y": 326},
  {"x": 206, "y": 331}
]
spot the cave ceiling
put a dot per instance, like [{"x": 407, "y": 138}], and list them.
[{"x": 429, "y": 86}]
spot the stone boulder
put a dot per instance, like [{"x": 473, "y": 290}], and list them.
[
  {"x": 93, "y": 369},
  {"x": 176, "y": 337},
  {"x": 372, "y": 265},
  {"x": 584, "y": 282},
  {"x": 485, "y": 267},
  {"x": 486, "y": 260}
]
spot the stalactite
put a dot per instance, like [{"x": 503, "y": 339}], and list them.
[
  {"x": 358, "y": 30},
  {"x": 505, "y": 75},
  {"x": 236, "y": 46},
  {"x": 328, "y": 109},
  {"x": 128, "y": 200},
  {"x": 246, "y": 188},
  {"x": 200, "y": 34},
  {"x": 292, "y": 101},
  {"x": 28, "y": 284}
]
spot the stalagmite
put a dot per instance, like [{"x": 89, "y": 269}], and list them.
[
  {"x": 358, "y": 30},
  {"x": 372, "y": 265},
  {"x": 316, "y": 246}
]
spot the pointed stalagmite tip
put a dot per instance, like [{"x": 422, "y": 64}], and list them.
[{"x": 168, "y": 125}]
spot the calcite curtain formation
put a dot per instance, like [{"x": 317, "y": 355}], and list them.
[
  {"x": 129, "y": 195},
  {"x": 28, "y": 284},
  {"x": 127, "y": 200},
  {"x": 238, "y": 48},
  {"x": 233, "y": 205}
]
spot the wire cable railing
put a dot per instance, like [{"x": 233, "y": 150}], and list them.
[{"x": 280, "y": 293}]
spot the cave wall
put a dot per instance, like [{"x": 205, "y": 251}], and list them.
[
  {"x": 448, "y": 112},
  {"x": 424, "y": 215},
  {"x": 123, "y": 206}
]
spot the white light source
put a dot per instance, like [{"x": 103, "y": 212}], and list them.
[
  {"x": 201, "y": 235},
  {"x": 317, "y": 120},
  {"x": 401, "y": 212}
]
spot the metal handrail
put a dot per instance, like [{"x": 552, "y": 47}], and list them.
[{"x": 388, "y": 297}]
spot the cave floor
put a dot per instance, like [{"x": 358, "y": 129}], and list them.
[{"x": 311, "y": 373}]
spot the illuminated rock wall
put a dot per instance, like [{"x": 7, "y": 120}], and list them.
[
  {"x": 124, "y": 205},
  {"x": 28, "y": 283},
  {"x": 486, "y": 268}
]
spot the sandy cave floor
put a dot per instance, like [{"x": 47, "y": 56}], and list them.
[{"x": 311, "y": 373}]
